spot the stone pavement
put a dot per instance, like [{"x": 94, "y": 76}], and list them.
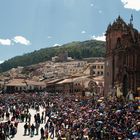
[{"x": 20, "y": 130}]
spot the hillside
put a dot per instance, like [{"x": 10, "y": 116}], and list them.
[{"x": 76, "y": 50}]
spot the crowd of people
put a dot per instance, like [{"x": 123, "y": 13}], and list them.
[{"x": 70, "y": 116}]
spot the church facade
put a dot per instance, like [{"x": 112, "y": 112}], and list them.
[{"x": 122, "y": 63}]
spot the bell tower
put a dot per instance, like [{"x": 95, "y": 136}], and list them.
[{"x": 121, "y": 41}]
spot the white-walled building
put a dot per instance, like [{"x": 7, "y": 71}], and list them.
[
  {"x": 23, "y": 85},
  {"x": 60, "y": 69},
  {"x": 98, "y": 68}
]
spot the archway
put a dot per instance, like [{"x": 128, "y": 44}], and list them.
[{"x": 125, "y": 85}]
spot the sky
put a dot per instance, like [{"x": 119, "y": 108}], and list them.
[{"x": 29, "y": 25}]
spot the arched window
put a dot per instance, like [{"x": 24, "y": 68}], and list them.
[{"x": 118, "y": 45}]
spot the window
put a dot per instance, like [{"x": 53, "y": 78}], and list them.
[
  {"x": 93, "y": 72},
  {"x": 94, "y": 67}
]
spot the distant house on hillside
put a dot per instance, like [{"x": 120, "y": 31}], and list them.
[
  {"x": 94, "y": 59},
  {"x": 62, "y": 57}
]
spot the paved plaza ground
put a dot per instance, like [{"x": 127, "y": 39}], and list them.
[
  {"x": 71, "y": 117},
  {"x": 20, "y": 130}
]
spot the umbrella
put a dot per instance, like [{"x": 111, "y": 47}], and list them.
[
  {"x": 101, "y": 114},
  {"x": 118, "y": 111},
  {"x": 94, "y": 110},
  {"x": 138, "y": 123},
  {"x": 99, "y": 122},
  {"x": 65, "y": 113},
  {"x": 85, "y": 130},
  {"x": 80, "y": 119},
  {"x": 90, "y": 111},
  {"x": 101, "y": 98},
  {"x": 83, "y": 108},
  {"x": 99, "y": 101}
]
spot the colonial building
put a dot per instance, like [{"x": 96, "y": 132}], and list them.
[
  {"x": 122, "y": 64},
  {"x": 98, "y": 68},
  {"x": 62, "y": 57},
  {"x": 16, "y": 85}
]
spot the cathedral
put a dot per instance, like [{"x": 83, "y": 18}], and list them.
[{"x": 122, "y": 62}]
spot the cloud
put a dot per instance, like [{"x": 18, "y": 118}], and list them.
[
  {"x": 49, "y": 37},
  {"x": 83, "y": 32},
  {"x": 1, "y": 61},
  {"x": 101, "y": 38},
  {"x": 91, "y": 4},
  {"x": 17, "y": 39},
  {"x": 56, "y": 45},
  {"x": 21, "y": 40},
  {"x": 6, "y": 42},
  {"x": 131, "y": 4},
  {"x": 100, "y": 11}
]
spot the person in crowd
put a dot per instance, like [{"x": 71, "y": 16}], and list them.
[
  {"x": 29, "y": 129},
  {"x": 70, "y": 116},
  {"x": 37, "y": 125},
  {"x": 13, "y": 131},
  {"x": 51, "y": 131},
  {"x": 25, "y": 128},
  {"x": 42, "y": 133},
  {"x": 46, "y": 134},
  {"x": 32, "y": 130}
]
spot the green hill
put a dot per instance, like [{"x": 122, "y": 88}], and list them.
[{"x": 76, "y": 50}]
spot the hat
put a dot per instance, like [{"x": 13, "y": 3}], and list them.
[{"x": 138, "y": 123}]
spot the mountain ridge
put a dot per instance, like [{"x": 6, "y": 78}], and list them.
[{"x": 76, "y": 49}]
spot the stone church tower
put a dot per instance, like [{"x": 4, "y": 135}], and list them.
[{"x": 122, "y": 63}]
